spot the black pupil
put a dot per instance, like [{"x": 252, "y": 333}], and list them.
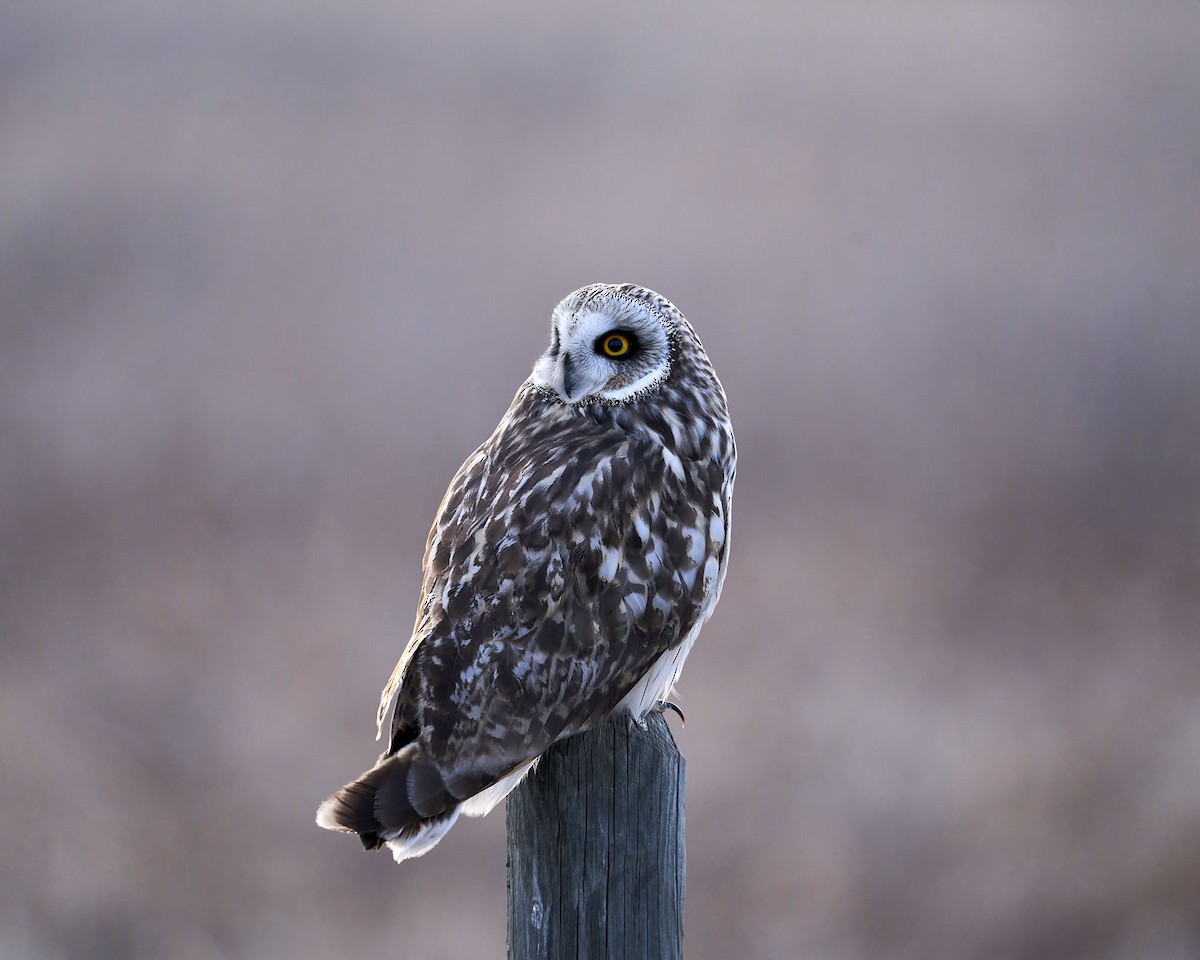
[{"x": 615, "y": 345}]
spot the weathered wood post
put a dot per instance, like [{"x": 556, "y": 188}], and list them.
[{"x": 595, "y": 848}]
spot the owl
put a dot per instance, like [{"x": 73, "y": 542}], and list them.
[{"x": 574, "y": 559}]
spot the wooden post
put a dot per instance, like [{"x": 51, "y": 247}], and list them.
[{"x": 595, "y": 848}]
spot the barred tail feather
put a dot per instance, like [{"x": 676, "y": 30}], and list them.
[{"x": 402, "y": 802}]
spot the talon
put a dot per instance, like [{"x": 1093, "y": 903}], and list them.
[{"x": 665, "y": 705}]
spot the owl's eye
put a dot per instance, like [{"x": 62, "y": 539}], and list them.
[{"x": 615, "y": 344}]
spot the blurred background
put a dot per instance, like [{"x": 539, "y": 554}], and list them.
[{"x": 269, "y": 271}]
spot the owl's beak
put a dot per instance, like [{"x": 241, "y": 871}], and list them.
[
  {"x": 565, "y": 375},
  {"x": 567, "y": 378}
]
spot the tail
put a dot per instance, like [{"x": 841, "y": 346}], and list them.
[{"x": 402, "y": 801}]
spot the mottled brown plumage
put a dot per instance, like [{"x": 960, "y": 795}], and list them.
[{"x": 573, "y": 560}]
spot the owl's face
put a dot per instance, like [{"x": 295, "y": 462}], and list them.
[{"x": 604, "y": 347}]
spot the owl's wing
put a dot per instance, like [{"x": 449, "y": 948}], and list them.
[{"x": 550, "y": 593}]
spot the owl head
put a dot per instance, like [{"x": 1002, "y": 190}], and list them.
[{"x": 609, "y": 343}]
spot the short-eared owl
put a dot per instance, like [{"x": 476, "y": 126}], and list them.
[{"x": 572, "y": 563}]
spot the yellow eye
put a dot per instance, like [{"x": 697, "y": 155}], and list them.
[{"x": 615, "y": 345}]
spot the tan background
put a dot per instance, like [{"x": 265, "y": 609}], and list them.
[{"x": 269, "y": 271}]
